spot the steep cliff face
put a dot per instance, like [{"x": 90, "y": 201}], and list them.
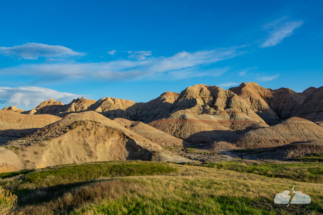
[
  {"x": 155, "y": 109},
  {"x": 271, "y": 105},
  {"x": 284, "y": 101},
  {"x": 257, "y": 98},
  {"x": 312, "y": 106},
  {"x": 205, "y": 114}
]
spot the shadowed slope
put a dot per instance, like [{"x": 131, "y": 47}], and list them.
[
  {"x": 271, "y": 105},
  {"x": 205, "y": 114},
  {"x": 78, "y": 138},
  {"x": 292, "y": 130},
  {"x": 151, "y": 133},
  {"x": 312, "y": 107}
]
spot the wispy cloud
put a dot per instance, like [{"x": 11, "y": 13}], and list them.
[
  {"x": 35, "y": 50},
  {"x": 30, "y": 97},
  {"x": 229, "y": 84},
  {"x": 242, "y": 73},
  {"x": 112, "y": 52},
  {"x": 141, "y": 55},
  {"x": 278, "y": 30},
  {"x": 268, "y": 78},
  {"x": 246, "y": 70},
  {"x": 174, "y": 66}
]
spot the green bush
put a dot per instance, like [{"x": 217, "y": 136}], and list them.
[{"x": 7, "y": 201}]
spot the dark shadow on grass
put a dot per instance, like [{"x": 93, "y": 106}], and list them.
[{"x": 42, "y": 195}]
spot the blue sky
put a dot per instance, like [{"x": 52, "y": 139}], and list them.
[{"x": 139, "y": 49}]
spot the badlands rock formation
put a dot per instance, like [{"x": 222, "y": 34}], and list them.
[
  {"x": 151, "y": 133},
  {"x": 206, "y": 114},
  {"x": 112, "y": 107},
  {"x": 14, "y": 125},
  {"x": 312, "y": 106},
  {"x": 59, "y": 109},
  {"x": 271, "y": 105},
  {"x": 158, "y": 108},
  {"x": 292, "y": 130},
  {"x": 13, "y": 108},
  {"x": 77, "y": 138},
  {"x": 289, "y": 151}
]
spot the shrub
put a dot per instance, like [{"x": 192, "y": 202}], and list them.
[{"x": 7, "y": 201}]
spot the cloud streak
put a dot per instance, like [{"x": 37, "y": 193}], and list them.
[
  {"x": 229, "y": 84},
  {"x": 30, "y": 97},
  {"x": 278, "y": 30},
  {"x": 140, "y": 55},
  {"x": 112, "y": 52},
  {"x": 268, "y": 78},
  {"x": 179, "y": 65},
  {"x": 33, "y": 51}
]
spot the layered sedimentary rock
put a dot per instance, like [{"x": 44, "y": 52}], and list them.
[
  {"x": 14, "y": 125},
  {"x": 205, "y": 114},
  {"x": 13, "y": 108},
  {"x": 155, "y": 109},
  {"x": 289, "y": 151},
  {"x": 312, "y": 106},
  {"x": 257, "y": 98},
  {"x": 13, "y": 120},
  {"x": 113, "y": 107},
  {"x": 195, "y": 130},
  {"x": 151, "y": 133},
  {"x": 292, "y": 130},
  {"x": 77, "y": 138},
  {"x": 284, "y": 101},
  {"x": 59, "y": 109},
  {"x": 271, "y": 105}
]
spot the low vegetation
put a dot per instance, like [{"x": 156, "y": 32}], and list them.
[
  {"x": 7, "y": 201},
  {"x": 133, "y": 187},
  {"x": 250, "y": 151},
  {"x": 306, "y": 172},
  {"x": 312, "y": 158}
]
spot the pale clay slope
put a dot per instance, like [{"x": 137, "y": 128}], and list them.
[
  {"x": 292, "y": 130},
  {"x": 10, "y": 120},
  {"x": 78, "y": 138},
  {"x": 151, "y": 133},
  {"x": 13, "y": 108}
]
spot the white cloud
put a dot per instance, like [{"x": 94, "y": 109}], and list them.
[
  {"x": 112, "y": 52},
  {"x": 268, "y": 78},
  {"x": 130, "y": 69},
  {"x": 30, "y": 97},
  {"x": 242, "y": 73},
  {"x": 141, "y": 55},
  {"x": 278, "y": 30},
  {"x": 229, "y": 84},
  {"x": 35, "y": 50}
]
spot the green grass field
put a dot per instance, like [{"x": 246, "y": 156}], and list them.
[
  {"x": 138, "y": 187},
  {"x": 306, "y": 172},
  {"x": 312, "y": 158}
]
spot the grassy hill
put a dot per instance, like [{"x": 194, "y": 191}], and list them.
[{"x": 137, "y": 187}]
